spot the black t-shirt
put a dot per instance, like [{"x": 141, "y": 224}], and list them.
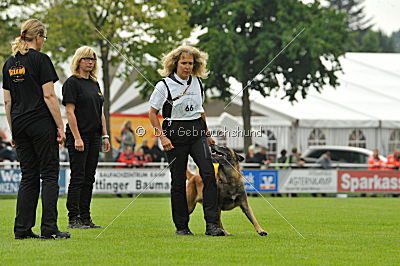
[
  {"x": 23, "y": 76},
  {"x": 260, "y": 157},
  {"x": 86, "y": 95}
]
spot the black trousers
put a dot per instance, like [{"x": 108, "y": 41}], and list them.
[
  {"x": 198, "y": 148},
  {"x": 37, "y": 151},
  {"x": 83, "y": 169}
]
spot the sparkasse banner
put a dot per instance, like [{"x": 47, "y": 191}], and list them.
[{"x": 369, "y": 181}]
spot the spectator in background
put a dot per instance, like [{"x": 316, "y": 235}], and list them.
[
  {"x": 250, "y": 156},
  {"x": 157, "y": 154},
  {"x": 261, "y": 156},
  {"x": 127, "y": 138},
  {"x": 145, "y": 147},
  {"x": 393, "y": 160},
  {"x": 141, "y": 157},
  {"x": 127, "y": 157},
  {"x": 295, "y": 157},
  {"x": 282, "y": 159},
  {"x": 374, "y": 161},
  {"x": 325, "y": 160}
]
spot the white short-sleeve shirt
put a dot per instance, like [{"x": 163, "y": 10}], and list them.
[{"x": 188, "y": 107}]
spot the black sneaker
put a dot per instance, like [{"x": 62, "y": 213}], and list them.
[
  {"x": 57, "y": 235},
  {"x": 88, "y": 222},
  {"x": 76, "y": 223},
  {"x": 214, "y": 230},
  {"x": 27, "y": 236},
  {"x": 183, "y": 232}
]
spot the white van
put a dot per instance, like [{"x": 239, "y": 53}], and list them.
[{"x": 339, "y": 154}]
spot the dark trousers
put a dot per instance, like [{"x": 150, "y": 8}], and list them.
[
  {"x": 37, "y": 151},
  {"x": 83, "y": 169},
  {"x": 201, "y": 155}
]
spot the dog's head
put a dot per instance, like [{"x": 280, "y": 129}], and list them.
[{"x": 225, "y": 155}]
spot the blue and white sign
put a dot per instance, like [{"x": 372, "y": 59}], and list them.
[
  {"x": 10, "y": 179},
  {"x": 260, "y": 180}
]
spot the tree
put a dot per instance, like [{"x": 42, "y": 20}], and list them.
[
  {"x": 140, "y": 30},
  {"x": 10, "y": 22},
  {"x": 396, "y": 41},
  {"x": 356, "y": 19},
  {"x": 243, "y": 36},
  {"x": 364, "y": 39}
]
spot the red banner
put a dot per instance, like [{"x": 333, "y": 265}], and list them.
[{"x": 369, "y": 181}]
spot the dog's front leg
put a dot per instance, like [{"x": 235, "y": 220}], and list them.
[
  {"x": 220, "y": 223},
  {"x": 249, "y": 214}
]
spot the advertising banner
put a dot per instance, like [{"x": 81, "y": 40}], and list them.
[
  {"x": 140, "y": 125},
  {"x": 10, "y": 179},
  {"x": 135, "y": 180},
  {"x": 131, "y": 180},
  {"x": 369, "y": 181},
  {"x": 259, "y": 180},
  {"x": 307, "y": 181}
]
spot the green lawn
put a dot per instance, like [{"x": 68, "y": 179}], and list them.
[{"x": 338, "y": 231}]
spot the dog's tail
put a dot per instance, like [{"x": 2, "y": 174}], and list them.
[{"x": 196, "y": 184}]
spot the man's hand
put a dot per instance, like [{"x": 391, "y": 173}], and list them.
[
  {"x": 60, "y": 136},
  {"x": 106, "y": 145},
  {"x": 166, "y": 143},
  {"x": 210, "y": 141},
  {"x": 79, "y": 146}
]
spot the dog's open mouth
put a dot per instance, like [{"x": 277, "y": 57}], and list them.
[{"x": 216, "y": 152}]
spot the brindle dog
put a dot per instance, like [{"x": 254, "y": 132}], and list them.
[{"x": 231, "y": 192}]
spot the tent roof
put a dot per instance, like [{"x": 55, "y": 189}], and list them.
[{"x": 368, "y": 94}]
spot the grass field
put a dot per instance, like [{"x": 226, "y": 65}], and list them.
[{"x": 362, "y": 231}]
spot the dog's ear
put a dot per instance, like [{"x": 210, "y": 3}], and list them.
[{"x": 240, "y": 157}]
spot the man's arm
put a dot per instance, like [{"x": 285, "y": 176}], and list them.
[
  {"x": 51, "y": 101},
  {"x": 106, "y": 141},
  {"x": 7, "y": 104},
  {"x": 73, "y": 125},
  {"x": 165, "y": 142}
]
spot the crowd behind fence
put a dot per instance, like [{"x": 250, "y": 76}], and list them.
[{"x": 64, "y": 165}]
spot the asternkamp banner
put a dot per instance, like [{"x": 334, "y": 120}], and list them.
[
  {"x": 131, "y": 180},
  {"x": 10, "y": 180},
  {"x": 308, "y": 181}
]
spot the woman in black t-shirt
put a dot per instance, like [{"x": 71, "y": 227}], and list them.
[
  {"x": 34, "y": 118},
  {"x": 85, "y": 129}
]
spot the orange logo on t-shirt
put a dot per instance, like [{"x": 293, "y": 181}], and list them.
[{"x": 17, "y": 73}]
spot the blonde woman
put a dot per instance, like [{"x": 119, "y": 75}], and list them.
[
  {"x": 34, "y": 118},
  {"x": 86, "y": 128},
  {"x": 184, "y": 132}
]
